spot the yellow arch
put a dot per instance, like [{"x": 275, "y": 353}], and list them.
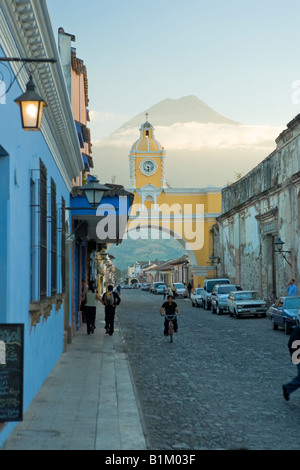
[{"x": 176, "y": 236}]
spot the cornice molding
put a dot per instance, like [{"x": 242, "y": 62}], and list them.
[{"x": 26, "y": 31}]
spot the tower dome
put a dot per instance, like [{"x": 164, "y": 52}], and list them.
[{"x": 146, "y": 142}]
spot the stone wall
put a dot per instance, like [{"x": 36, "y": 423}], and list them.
[{"x": 256, "y": 210}]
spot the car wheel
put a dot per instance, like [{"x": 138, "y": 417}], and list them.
[
  {"x": 274, "y": 325},
  {"x": 287, "y": 329},
  {"x": 263, "y": 315}
]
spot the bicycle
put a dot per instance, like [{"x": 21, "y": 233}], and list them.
[{"x": 171, "y": 326}]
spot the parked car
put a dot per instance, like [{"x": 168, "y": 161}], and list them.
[
  {"x": 208, "y": 286},
  {"x": 284, "y": 313},
  {"x": 298, "y": 318},
  {"x": 246, "y": 302},
  {"x": 196, "y": 297},
  {"x": 154, "y": 285},
  {"x": 160, "y": 289},
  {"x": 181, "y": 290},
  {"x": 219, "y": 297}
]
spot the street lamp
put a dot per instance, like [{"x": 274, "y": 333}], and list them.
[
  {"x": 31, "y": 104},
  {"x": 214, "y": 259},
  {"x": 279, "y": 245},
  {"x": 32, "y": 107},
  {"x": 94, "y": 192}
]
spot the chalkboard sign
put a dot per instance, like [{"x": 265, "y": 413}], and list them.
[{"x": 11, "y": 372}]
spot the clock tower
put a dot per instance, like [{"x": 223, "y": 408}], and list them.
[
  {"x": 186, "y": 214},
  {"x": 147, "y": 163}
]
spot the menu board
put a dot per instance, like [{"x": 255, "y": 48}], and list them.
[{"x": 11, "y": 372}]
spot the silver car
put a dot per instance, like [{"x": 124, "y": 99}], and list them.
[
  {"x": 219, "y": 297},
  {"x": 246, "y": 303},
  {"x": 196, "y": 297}
]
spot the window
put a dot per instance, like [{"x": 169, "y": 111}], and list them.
[
  {"x": 34, "y": 291},
  {"x": 53, "y": 239},
  {"x": 47, "y": 270},
  {"x": 43, "y": 231},
  {"x": 63, "y": 246}
]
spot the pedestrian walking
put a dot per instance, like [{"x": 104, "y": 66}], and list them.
[
  {"x": 174, "y": 290},
  {"x": 164, "y": 293},
  {"x": 189, "y": 289},
  {"x": 119, "y": 289},
  {"x": 110, "y": 299},
  {"x": 91, "y": 298},
  {"x": 292, "y": 289},
  {"x": 293, "y": 345},
  {"x": 84, "y": 289}
]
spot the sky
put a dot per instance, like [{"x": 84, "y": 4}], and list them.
[{"x": 241, "y": 57}]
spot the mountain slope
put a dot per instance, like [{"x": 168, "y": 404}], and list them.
[
  {"x": 203, "y": 147},
  {"x": 184, "y": 110}
]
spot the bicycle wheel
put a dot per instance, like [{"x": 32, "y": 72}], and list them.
[{"x": 171, "y": 331}]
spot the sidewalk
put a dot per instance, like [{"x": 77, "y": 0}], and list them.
[{"x": 87, "y": 402}]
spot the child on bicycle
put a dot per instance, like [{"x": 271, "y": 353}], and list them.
[{"x": 170, "y": 308}]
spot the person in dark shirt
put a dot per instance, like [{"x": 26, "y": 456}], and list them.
[
  {"x": 110, "y": 299},
  {"x": 169, "y": 308},
  {"x": 293, "y": 345}
]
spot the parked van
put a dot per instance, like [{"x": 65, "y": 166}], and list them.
[{"x": 208, "y": 286}]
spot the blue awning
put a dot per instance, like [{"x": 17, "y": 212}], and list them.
[
  {"x": 86, "y": 162},
  {"x": 79, "y": 133}
]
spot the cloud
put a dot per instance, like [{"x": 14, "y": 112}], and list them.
[
  {"x": 195, "y": 136},
  {"x": 100, "y": 117}
]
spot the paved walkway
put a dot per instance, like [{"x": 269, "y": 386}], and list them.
[{"x": 87, "y": 402}]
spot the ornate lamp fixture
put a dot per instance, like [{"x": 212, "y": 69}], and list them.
[
  {"x": 32, "y": 107},
  {"x": 31, "y": 104}
]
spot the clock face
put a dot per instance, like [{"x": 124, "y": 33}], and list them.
[{"x": 148, "y": 167}]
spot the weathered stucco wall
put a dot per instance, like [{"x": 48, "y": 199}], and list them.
[{"x": 256, "y": 210}]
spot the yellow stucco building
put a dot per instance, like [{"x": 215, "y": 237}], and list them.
[{"x": 187, "y": 214}]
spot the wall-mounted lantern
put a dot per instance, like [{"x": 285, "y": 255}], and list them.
[
  {"x": 31, "y": 104},
  {"x": 32, "y": 107},
  {"x": 279, "y": 245}
]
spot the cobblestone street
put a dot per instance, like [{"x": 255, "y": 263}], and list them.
[{"x": 218, "y": 386}]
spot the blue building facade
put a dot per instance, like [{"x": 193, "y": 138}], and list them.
[
  {"x": 49, "y": 241},
  {"x": 36, "y": 173},
  {"x": 93, "y": 230}
]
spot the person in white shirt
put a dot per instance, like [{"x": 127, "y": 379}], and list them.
[{"x": 91, "y": 298}]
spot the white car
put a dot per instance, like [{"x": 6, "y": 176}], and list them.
[
  {"x": 180, "y": 289},
  {"x": 246, "y": 303},
  {"x": 196, "y": 297}
]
